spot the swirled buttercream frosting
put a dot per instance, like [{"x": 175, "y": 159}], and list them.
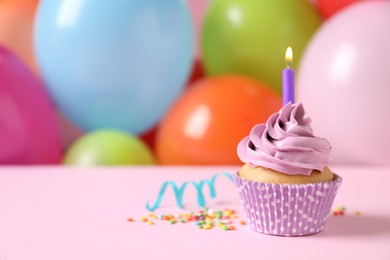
[{"x": 285, "y": 143}]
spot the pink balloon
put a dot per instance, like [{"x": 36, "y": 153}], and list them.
[
  {"x": 344, "y": 83},
  {"x": 198, "y": 9},
  {"x": 28, "y": 129}
]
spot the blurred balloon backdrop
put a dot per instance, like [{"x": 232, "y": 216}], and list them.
[
  {"x": 345, "y": 84},
  {"x": 114, "y": 64},
  {"x": 198, "y": 9},
  {"x": 16, "y": 29},
  {"x": 125, "y": 65},
  {"x": 108, "y": 147},
  {"x": 205, "y": 125},
  {"x": 250, "y": 37},
  {"x": 28, "y": 130},
  {"x": 328, "y": 8}
]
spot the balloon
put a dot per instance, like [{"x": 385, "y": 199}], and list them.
[
  {"x": 16, "y": 33},
  {"x": 250, "y": 37},
  {"x": 108, "y": 147},
  {"x": 28, "y": 130},
  {"x": 114, "y": 64},
  {"x": 205, "y": 125},
  {"x": 197, "y": 73},
  {"x": 328, "y": 8},
  {"x": 344, "y": 85},
  {"x": 16, "y": 29},
  {"x": 198, "y": 9}
]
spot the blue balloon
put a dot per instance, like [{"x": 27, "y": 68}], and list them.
[{"x": 114, "y": 63}]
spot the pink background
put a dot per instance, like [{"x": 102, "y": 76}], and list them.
[{"x": 65, "y": 213}]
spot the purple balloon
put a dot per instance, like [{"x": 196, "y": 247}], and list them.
[{"x": 28, "y": 129}]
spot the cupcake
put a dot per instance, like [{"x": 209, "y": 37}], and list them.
[{"x": 285, "y": 185}]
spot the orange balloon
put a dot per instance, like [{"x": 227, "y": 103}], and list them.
[
  {"x": 205, "y": 125},
  {"x": 16, "y": 29}
]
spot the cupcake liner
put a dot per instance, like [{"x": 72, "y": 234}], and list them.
[{"x": 287, "y": 209}]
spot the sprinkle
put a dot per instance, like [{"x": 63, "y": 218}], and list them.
[
  {"x": 205, "y": 218},
  {"x": 232, "y": 228},
  {"x": 210, "y": 223},
  {"x": 207, "y": 226},
  {"x": 358, "y": 213}
]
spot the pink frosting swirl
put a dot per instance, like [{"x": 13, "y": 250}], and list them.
[{"x": 286, "y": 143}]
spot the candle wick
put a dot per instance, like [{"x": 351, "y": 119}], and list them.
[{"x": 288, "y": 65}]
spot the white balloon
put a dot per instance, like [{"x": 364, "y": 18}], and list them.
[{"x": 344, "y": 83}]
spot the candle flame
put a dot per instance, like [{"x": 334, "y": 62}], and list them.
[{"x": 289, "y": 55}]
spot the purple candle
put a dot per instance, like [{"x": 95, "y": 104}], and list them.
[{"x": 288, "y": 79}]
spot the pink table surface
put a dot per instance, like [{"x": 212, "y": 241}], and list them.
[{"x": 67, "y": 213}]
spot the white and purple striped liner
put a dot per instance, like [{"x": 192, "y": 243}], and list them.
[{"x": 287, "y": 209}]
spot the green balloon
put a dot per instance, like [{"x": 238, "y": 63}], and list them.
[
  {"x": 108, "y": 147},
  {"x": 250, "y": 37}
]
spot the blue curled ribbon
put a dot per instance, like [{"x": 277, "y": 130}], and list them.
[{"x": 179, "y": 191}]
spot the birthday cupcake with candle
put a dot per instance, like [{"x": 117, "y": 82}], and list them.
[{"x": 285, "y": 184}]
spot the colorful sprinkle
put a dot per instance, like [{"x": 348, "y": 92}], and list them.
[
  {"x": 205, "y": 218},
  {"x": 232, "y": 228},
  {"x": 207, "y": 226}
]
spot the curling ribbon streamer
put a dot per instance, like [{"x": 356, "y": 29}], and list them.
[{"x": 179, "y": 191}]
